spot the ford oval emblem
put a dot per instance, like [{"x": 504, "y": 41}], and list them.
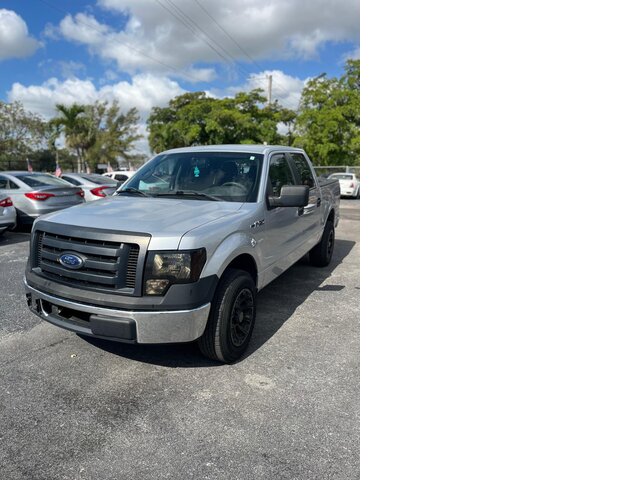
[{"x": 71, "y": 260}]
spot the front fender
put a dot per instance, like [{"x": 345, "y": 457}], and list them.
[{"x": 232, "y": 246}]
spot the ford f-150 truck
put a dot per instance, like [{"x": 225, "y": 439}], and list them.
[{"x": 182, "y": 248}]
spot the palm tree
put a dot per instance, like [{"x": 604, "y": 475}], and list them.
[{"x": 77, "y": 129}]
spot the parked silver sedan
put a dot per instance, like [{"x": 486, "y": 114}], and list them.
[
  {"x": 95, "y": 186},
  {"x": 34, "y": 194},
  {"x": 7, "y": 213}
]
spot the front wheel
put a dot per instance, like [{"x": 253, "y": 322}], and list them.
[
  {"x": 321, "y": 254},
  {"x": 231, "y": 319}
]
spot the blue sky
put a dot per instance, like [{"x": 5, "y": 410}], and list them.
[{"x": 144, "y": 52}]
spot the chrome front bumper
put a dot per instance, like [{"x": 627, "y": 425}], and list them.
[{"x": 125, "y": 326}]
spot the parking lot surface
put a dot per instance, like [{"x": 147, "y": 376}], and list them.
[{"x": 76, "y": 408}]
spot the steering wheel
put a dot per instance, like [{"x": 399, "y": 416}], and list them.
[{"x": 234, "y": 184}]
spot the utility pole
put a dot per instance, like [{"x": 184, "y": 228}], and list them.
[{"x": 270, "y": 78}]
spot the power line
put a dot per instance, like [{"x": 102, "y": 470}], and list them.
[
  {"x": 251, "y": 59},
  {"x": 184, "y": 20},
  {"x": 228, "y": 35},
  {"x": 193, "y": 23}
]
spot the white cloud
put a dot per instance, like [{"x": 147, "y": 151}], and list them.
[
  {"x": 83, "y": 29},
  {"x": 143, "y": 92},
  {"x": 275, "y": 29},
  {"x": 15, "y": 41}
]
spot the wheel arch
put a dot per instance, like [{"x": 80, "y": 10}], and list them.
[{"x": 246, "y": 262}]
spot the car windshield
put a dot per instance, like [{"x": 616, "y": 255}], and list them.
[
  {"x": 341, "y": 176},
  {"x": 37, "y": 180},
  {"x": 227, "y": 176},
  {"x": 100, "y": 179}
]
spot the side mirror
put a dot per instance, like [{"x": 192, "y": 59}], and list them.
[{"x": 291, "y": 196}]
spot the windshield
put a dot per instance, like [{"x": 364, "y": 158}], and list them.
[
  {"x": 341, "y": 176},
  {"x": 42, "y": 180},
  {"x": 228, "y": 176}
]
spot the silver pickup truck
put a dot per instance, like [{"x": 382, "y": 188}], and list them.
[{"x": 180, "y": 251}]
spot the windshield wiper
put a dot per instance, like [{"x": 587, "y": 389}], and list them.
[
  {"x": 133, "y": 190},
  {"x": 189, "y": 193}
]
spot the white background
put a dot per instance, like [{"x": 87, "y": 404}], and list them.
[{"x": 500, "y": 240}]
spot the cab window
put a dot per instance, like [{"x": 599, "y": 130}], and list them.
[
  {"x": 280, "y": 174},
  {"x": 303, "y": 170}
]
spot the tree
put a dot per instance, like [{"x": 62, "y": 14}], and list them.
[
  {"x": 76, "y": 127},
  {"x": 328, "y": 122},
  {"x": 21, "y": 134},
  {"x": 196, "y": 119},
  {"x": 115, "y": 134},
  {"x": 98, "y": 133}
]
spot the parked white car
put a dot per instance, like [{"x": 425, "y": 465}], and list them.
[
  {"x": 120, "y": 176},
  {"x": 349, "y": 184},
  {"x": 95, "y": 186}
]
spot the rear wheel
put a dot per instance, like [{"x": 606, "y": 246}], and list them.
[
  {"x": 231, "y": 319},
  {"x": 320, "y": 255}
]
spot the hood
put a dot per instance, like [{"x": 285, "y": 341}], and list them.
[{"x": 165, "y": 219}]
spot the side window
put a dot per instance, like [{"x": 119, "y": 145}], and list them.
[
  {"x": 71, "y": 180},
  {"x": 304, "y": 169},
  {"x": 4, "y": 183},
  {"x": 279, "y": 174},
  {"x": 121, "y": 178}
]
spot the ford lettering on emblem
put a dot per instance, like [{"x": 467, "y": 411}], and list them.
[{"x": 71, "y": 260}]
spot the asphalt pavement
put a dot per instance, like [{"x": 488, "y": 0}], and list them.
[{"x": 77, "y": 408}]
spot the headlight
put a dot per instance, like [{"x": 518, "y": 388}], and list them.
[
  {"x": 166, "y": 268},
  {"x": 177, "y": 265}
]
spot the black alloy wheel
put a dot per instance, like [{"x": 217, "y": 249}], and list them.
[{"x": 242, "y": 316}]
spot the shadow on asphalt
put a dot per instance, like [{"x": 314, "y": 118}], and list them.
[
  {"x": 11, "y": 238},
  {"x": 276, "y": 304}
]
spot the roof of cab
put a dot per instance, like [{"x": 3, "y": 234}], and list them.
[{"x": 264, "y": 149}]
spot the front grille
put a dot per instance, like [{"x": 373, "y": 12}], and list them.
[
  {"x": 132, "y": 266},
  {"x": 110, "y": 266}
]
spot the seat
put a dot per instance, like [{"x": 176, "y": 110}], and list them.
[{"x": 230, "y": 170}]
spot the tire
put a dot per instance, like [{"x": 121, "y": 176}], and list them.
[
  {"x": 320, "y": 255},
  {"x": 357, "y": 196},
  {"x": 231, "y": 319}
]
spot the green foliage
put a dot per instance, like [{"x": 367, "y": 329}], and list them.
[
  {"x": 196, "y": 119},
  {"x": 98, "y": 133},
  {"x": 115, "y": 133},
  {"x": 22, "y": 133},
  {"x": 328, "y": 122}
]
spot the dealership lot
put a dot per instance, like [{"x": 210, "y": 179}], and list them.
[{"x": 84, "y": 408}]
